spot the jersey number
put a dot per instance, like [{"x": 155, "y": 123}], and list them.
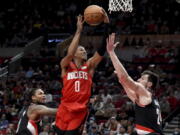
[
  {"x": 77, "y": 86},
  {"x": 159, "y": 119}
]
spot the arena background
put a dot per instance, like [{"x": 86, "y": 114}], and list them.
[{"x": 35, "y": 34}]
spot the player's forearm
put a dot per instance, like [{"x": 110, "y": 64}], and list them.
[
  {"x": 102, "y": 48},
  {"x": 121, "y": 72},
  {"x": 43, "y": 110},
  {"x": 51, "y": 111},
  {"x": 74, "y": 44}
]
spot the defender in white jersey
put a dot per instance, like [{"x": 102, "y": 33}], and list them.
[
  {"x": 30, "y": 116},
  {"x": 147, "y": 110}
]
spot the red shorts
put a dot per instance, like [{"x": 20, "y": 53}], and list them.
[{"x": 67, "y": 120}]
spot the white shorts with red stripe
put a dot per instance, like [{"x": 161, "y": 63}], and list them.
[
  {"x": 141, "y": 130},
  {"x": 32, "y": 127}
]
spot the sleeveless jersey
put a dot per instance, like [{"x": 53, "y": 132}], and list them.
[
  {"x": 76, "y": 87},
  {"x": 148, "y": 118},
  {"x": 26, "y": 126}
]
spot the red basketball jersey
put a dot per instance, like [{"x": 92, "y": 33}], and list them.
[{"x": 76, "y": 87}]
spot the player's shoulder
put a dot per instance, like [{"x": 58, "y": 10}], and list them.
[
  {"x": 89, "y": 63},
  {"x": 70, "y": 65},
  {"x": 36, "y": 107}
]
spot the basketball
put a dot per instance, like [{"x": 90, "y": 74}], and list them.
[{"x": 93, "y": 15}]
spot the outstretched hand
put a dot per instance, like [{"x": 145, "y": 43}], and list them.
[
  {"x": 110, "y": 43},
  {"x": 80, "y": 22}
]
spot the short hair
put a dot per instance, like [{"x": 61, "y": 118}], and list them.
[
  {"x": 153, "y": 77},
  {"x": 66, "y": 50}
]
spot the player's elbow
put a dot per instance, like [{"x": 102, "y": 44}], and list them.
[{"x": 70, "y": 54}]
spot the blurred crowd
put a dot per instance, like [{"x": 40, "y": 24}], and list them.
[{"x": 24, "y": 20}]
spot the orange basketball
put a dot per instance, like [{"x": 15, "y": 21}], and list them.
[{"x": 93, "y": 15}]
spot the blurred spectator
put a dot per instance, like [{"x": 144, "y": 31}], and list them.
[
  {"x": 131, "y": 131},
  {"x": 98, "y": 105},
  {"x": 84, "y": 132},
  {"x": 113, "y": 125},
  {"x": 11, "y": 129},
  {"x": 165, "y": 106},
  {"x": 93, "y": 130},
  {"x": 3, "y": 122},
  {"x": 104, "y": 95},
  {"x": 29, "y": 73},
  {"x": 172, "y": 100},
  {"x": 176, "y": 131},
  {"x": 122, "y": 131},
  {"x": 109, "y": 108},
  {"x": 45, "y": 131}
]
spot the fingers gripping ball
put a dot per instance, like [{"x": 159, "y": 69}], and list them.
[{"x": 93, "y": 15}]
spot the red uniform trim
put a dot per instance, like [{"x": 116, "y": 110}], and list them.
[
  {"x": 35, "y": 126},
  {"x": 144, "y": 128}
]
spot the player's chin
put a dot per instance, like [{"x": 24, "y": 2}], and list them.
[
  {"x": 43, "y": 100},
  {"x": 84, "y": 58}
]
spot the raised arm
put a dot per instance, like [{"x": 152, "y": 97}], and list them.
[
  {"x": 132, "y": 88},
  {"x": 74, "y": 44},
  {"x": 98, "y": 55},
  {"x": 122, "y": 74}
]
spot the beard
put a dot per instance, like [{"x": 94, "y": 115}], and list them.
[{"x": 38, "y": 103}]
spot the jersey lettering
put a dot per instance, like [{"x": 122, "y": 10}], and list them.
[{"x": 77, "y": 75}]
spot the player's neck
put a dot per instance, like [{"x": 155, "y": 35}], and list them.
[
  {"x": 36, "y": 103},
  {"x": 78, "y": 62}
]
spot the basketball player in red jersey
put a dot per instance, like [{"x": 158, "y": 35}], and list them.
[
  {"x": 77, "y": 73},
  {"x": 147, "y": 109}
]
